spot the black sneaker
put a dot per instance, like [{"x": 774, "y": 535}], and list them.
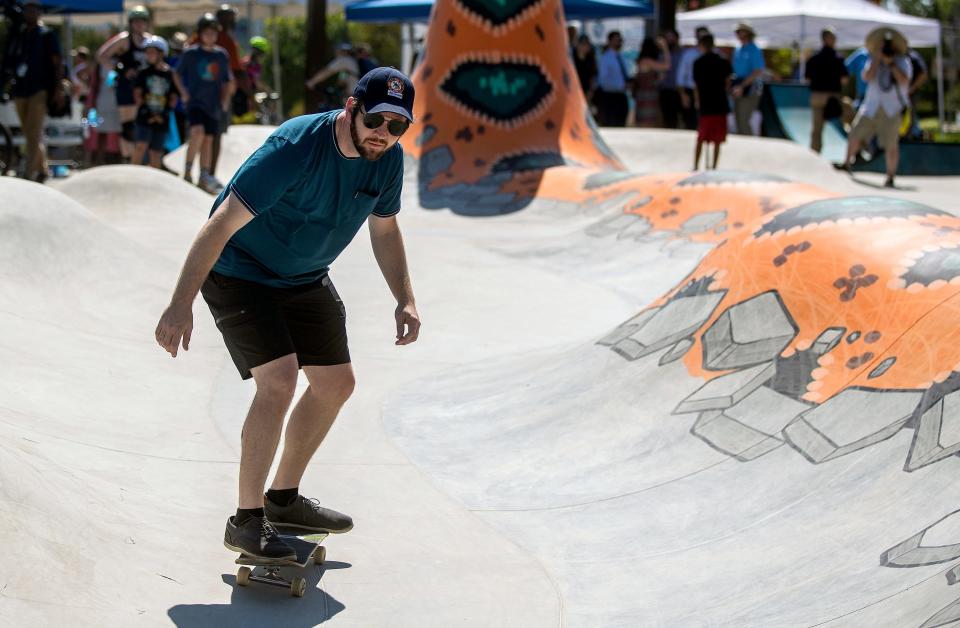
[
  {"x": 889, "y": 183},
  {"x": 258, "y": 538},
  {"x": 307, "y": 514}
]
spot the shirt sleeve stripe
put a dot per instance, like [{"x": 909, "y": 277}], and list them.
[
  {"x": 240, "y": 198},
  {"x": 394, "y": 213}
]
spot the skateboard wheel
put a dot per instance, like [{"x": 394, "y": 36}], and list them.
[
  {"x": 298, "y": 587},
  {"x": 243, "y": 576},
  {"x": 319, "y": 555}
]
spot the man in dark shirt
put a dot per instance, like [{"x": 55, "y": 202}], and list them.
[
  {"x": 713, "y": 77},
  {"x": 827, "y": 75},
  {"x": 38, "y": 76},
  {"x": 920, "y": 76}
]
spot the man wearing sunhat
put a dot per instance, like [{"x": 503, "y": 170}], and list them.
[
  {"x": 261, "y": 263},
  {"x": 748, "y": 69},
  {"x": 887, "y": 74}
]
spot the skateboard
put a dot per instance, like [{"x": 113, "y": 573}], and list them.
[{"x": 307, "y": 547}]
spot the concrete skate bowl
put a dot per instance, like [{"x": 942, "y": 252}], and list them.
[
  {"x": 771, "y": 443},
  {"x": 96, "y": 429}
]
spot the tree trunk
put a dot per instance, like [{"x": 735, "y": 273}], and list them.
[{"x": 317, "y": 53}]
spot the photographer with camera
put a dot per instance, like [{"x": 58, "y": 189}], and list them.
[
  {"x": 887, "y": 74},
  {"x": 34, "y": 61}
]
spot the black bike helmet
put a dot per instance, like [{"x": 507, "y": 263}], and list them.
[{"x": 207, "y": 20}]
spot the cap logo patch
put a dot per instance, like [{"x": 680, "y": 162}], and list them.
[{"x": 395, "y": 87}]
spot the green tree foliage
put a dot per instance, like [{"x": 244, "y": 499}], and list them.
[{"x": 384, "y": 40}]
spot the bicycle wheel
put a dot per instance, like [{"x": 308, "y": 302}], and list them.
[{"x": 6, "y": 151}]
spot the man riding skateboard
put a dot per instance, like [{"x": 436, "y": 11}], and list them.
[{"x": 261, "y": 262}]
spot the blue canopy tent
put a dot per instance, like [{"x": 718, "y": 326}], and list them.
[
  {"x": 66, "y": 7},
  {"x": 419, "y": 10}
]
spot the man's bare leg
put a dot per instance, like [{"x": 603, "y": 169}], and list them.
[
  {"x": 893, "y": 160},
  {"x": 716, "y": 154},
  {"x": 276, "y": 384},
  {"x": 853, "y": 148},
  {"x": 696, "y": 155},
  {"x": 311, "y": 419}
]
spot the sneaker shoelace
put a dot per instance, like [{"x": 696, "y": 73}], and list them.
[{"x": 267, "y": 530}]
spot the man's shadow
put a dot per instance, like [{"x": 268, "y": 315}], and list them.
[
  {"x": 259, "y": 604},
  {"x": 880, "y": 186}
]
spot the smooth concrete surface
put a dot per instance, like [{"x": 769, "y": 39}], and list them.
[{"x": 505, "y": 470}]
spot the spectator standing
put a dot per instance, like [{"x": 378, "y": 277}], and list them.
[
  {"x": 365, "y": 60},
  {"x": 887, "y": 74},
  {"x": 653, "y": 60},
  {"x": 82, "y": 69},
  {"x": 227, "y": 19},
  {"x": 585, "y": 63},
  {"x": 854, "y": 64},
  {"x": 177, "y": 43},
  {"x": 748, "y": 69},
  {"x": 345, "y": 66},
  {"x": 668, "y": 94},
  {"x": 205, "y": 85},
  {"x": 685, "y": 84},
  {"x": 713, "y": 77},
  {"x": 612, "y": 79},
  {"x": 827, "y": 75},
  {"x": 102, "y": 144},
  {"x": 253, "y": 63},
  {"x": 155, "y": 93},
  {"x": 37, "y": 80},
  {"x": 125, "y": 54},
  {"x": 920, "y": 75}
]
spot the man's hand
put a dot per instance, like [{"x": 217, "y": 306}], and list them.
[
  {"x": 684, "y": 99},
  {"x": 738, "y": 91},
  {"x": 408, "y": 324},
  {"x": 175, "y": 325}
]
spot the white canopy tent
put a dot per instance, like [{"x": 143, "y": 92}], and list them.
[{"x": 797, "y": 24}]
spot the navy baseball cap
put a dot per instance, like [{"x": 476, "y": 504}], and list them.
[{"x": 386, "y": 90}]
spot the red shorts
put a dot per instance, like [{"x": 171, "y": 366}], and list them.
[{"x": 712, "y": 129}]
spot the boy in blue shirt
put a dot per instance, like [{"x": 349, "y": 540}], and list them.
[
  {"x": 205, "y": 84},
  {"x": 262, "y": 264}
]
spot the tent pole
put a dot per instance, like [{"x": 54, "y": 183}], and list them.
[
  {"x": 803, "y": 36},
  {"x": 406, "y": 48},
  {"x": 275, "y": 45},
  {"x": 940, "y": 112}
]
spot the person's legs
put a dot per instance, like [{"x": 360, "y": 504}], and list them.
[
  {"x": 194, "y": 147},
  {"x": 817, "y": 102},
  {"x": 741, "y": 115},
  {"x": 276, "y": 382},
  {"x": 139, "y": 149},
  {"x": 156, "y": 159},
  {"x": 716, "y": 155},
  {"x": 311, "y": 419},
  {"x": 696, "y": 154},
  {"x": 33, "y": 113}
]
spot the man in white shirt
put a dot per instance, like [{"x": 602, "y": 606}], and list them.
[
  {"x": 344, "y": 64},
  {"x": 612, "y": 82},
  {"x": 887, "y": 74}
]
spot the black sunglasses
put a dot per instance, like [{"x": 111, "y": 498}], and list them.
[{"x": 375, "y": 121}]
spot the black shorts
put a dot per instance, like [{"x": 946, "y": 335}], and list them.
[
  {"x": 154, "y": 136},
  {"x": 198, "y": 117},
  {"x": 261, "y": 323}
]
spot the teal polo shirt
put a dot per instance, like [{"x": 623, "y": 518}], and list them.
[{"x": 308, "y": 202}]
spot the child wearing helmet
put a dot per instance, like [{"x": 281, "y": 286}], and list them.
[
  {"x": 206, "y": 84},
  {"x": 155, "y": 93}
]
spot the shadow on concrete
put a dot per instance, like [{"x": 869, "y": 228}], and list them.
[{"x": 263, "y": 605}]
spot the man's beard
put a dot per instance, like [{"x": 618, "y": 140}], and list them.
[{"x": 366, "y": 153}]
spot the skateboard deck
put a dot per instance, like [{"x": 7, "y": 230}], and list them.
[{"x": 267, "y": 571}]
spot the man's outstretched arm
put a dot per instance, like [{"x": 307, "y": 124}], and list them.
[
  {"x": 388, "y": 249},
  {"x": 176, "y": 323}
]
